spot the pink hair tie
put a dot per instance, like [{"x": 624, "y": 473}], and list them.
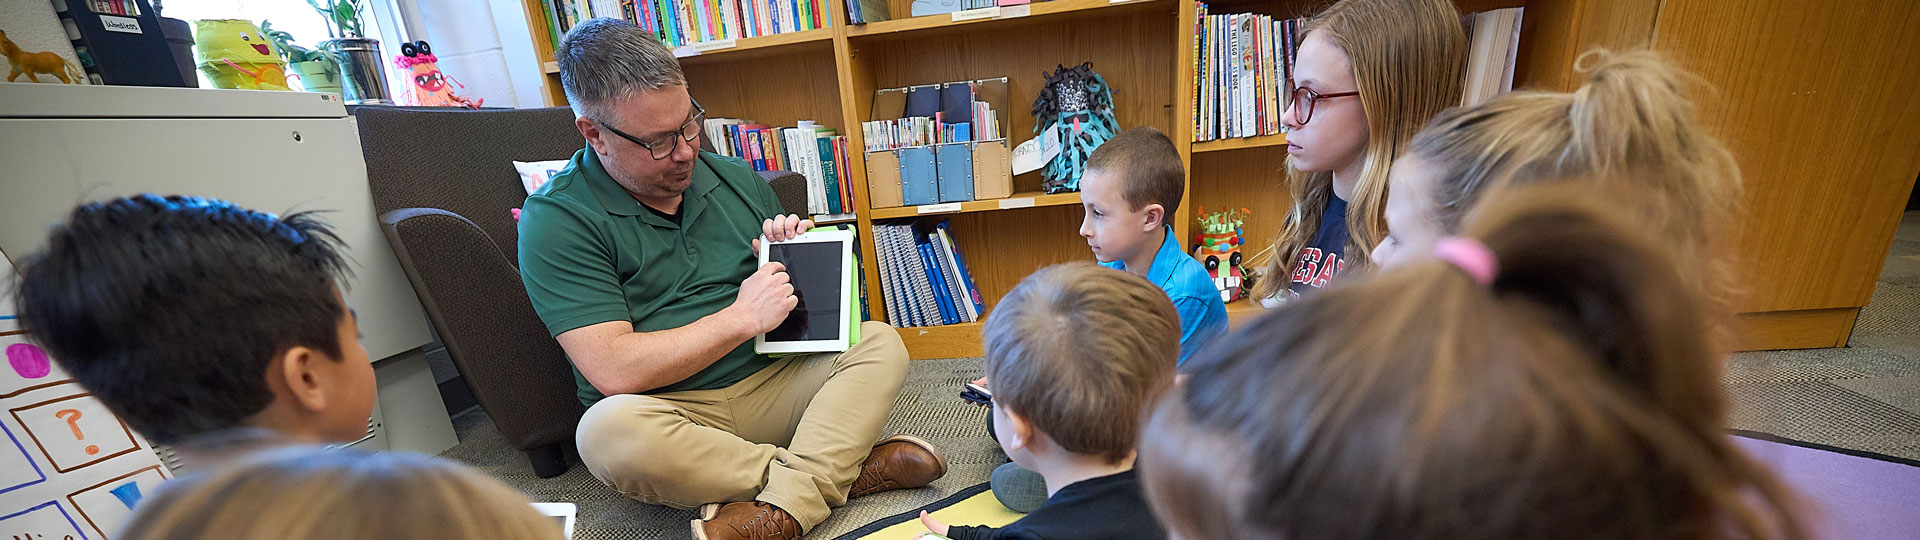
[{"x": 1471, "y": 256}]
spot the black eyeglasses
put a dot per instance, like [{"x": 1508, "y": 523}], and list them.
[
  {"x": 664, "y": 146},
  {"x": 1304, "y": 99}
]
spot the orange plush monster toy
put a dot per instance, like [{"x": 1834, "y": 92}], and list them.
[{"x": 427, "y": 85}]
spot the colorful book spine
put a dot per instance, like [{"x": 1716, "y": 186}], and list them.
[
  {"x": 936, "y": 281},
  {"x": 949, "y": 276},
  {"x": 960, "y": 265},
  {"x": 830, "y": 174}
]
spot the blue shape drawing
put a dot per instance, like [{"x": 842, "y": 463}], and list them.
[
  {"x": 57, "y": 508},
  {"x": 42, "y": 475},
  {"x": 129, "y": 494}
]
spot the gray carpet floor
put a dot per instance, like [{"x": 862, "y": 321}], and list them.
[
  {"x": 1865, "y": 396},
  {"x": 929, "y": 407}
]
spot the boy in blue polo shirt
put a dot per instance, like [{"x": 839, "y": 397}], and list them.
[{"x": 1132, "y": 184}]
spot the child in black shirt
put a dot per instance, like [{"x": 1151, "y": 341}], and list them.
[{"x": 1075, "y": 353}]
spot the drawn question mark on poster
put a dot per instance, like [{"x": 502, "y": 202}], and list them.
[{"x": 72, "y": 416}]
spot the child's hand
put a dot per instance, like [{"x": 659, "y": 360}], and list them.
[
  {"x": 933, "y": 525},
  {"x": 982, "y": 382}
]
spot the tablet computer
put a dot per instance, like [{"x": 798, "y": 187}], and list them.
[
  {"x": 820, "y": 265},
  {"x": 563, "y": 514}
]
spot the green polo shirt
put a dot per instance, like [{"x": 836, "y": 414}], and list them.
[{"x": 590, "y": 253}]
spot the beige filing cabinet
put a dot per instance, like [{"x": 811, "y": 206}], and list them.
[{"x": 279, "y": 152}]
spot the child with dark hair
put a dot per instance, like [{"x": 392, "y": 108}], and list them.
[
  {"x": 188, "y": 316},
  {"x": 1545, "y": 375},
  {"x": 1076, "y": 353}
]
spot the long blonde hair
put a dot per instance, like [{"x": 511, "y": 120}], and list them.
[
  {"x": 1572, "y": 395},
  {"x": 1409, "y": 61},
  {"x": 1630, "y": 122},
  {"x": 307, "y": 493}
]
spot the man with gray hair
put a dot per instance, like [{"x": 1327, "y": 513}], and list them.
[{"x": 640, "y": 258}]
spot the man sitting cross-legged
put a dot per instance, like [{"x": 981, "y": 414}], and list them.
[{"x": 640, "y": 259}]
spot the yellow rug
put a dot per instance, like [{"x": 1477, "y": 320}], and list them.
[{"x": 972, "y": 506}]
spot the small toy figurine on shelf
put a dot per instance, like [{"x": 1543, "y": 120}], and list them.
[
  {"x": 1078, "y": 106},
  {"x": 33, "y": 64},
  {"x": 1218, "y": 246},
  {"x": 234, "y": 53},
  {"x": 427, "y": 85}
]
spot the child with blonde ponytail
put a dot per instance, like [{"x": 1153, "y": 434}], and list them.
[
  {"x": 1544, "y": 375},
  {"x": 1630, "y": 122},
  {"x": 1368, "y": 75}
]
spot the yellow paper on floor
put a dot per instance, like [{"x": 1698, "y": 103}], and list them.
[{"x": 980, "y": 509}]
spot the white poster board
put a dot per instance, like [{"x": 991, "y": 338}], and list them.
[{"x": 69, "y": 469}]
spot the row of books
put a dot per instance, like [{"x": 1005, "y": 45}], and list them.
[
  {"x": 921, "y": 8},
  {"x": 816, "y": 152},
  {"x": 1242, "y": 73},
  {"x": 925, "y": 280},
  {"x": 921, "y": 130},
  {"x": 866, "y": 11},
  {"x": 684, "y": 22},
  {"x": 114, "y": 7}
]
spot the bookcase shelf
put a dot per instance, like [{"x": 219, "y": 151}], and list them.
[
  {"x": 1007, "y": 17},
  {"x": 950, "y": 341},
  {"x": 1026, "y": 199},
  {"x": 1144, "y": 49},
  {"x": 1236, "y": 144},
  {"x": 820, "y": 40},
  {"x": 1238, "y": 313}
]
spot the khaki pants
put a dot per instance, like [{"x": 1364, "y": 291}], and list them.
[{"x": 792, "y": 435}]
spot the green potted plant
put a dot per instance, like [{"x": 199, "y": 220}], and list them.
[
  {"x": 361, "y": 64},
  {"x": 317, "y": 70}
]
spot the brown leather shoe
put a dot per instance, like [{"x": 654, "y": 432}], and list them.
[
  {"x": 899, "y": 462},
  {"x": 750, "y": 520}
]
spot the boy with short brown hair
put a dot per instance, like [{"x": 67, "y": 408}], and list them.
[
  {"x": 1132, "y": 186},
  {"x": 1076, "y": 352}
]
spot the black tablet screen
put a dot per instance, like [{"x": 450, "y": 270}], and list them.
[{"x": 817, "y": 281}]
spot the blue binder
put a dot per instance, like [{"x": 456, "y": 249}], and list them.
[
  {"x": 955, "y": 169},
  {"x": 919, "y": 181},
  {"x": 939, "y": 283}
]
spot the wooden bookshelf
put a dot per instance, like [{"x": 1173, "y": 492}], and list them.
[
  {"x": 820, "y": 41},
  {"x": 1238, "y": 313},
  {"x": 1000, "y": 18},
  {"x": 1262, "y": 141},
  {"x": 950, "y": 341},
  {"x": 1144, "y": 49},
  {"x": 1027, "y": 199}
]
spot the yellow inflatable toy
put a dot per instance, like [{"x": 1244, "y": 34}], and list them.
[{"x": 233, "y": 53}]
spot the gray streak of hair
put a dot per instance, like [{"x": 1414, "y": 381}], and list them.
[{"x": 605, "y": 59}]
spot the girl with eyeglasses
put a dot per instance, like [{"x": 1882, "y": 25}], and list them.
[{"x": 1368, "y": 75}]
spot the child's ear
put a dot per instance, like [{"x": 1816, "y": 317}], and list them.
[
  {"x": 1022, "y": 431},
  {"x": 1156, "y": 217},
  {"x": 296, "y": 370}
]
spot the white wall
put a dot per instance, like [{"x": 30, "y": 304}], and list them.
[{"x": 484, "y": 46}]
